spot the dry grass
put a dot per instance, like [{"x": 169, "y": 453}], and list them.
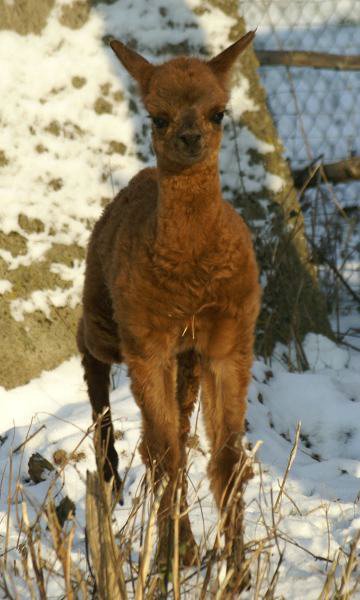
[{"x": 121, "y": 564}]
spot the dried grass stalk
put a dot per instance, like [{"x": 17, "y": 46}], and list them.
[{"x": 104, "y": 553}]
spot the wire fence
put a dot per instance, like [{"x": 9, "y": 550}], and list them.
[{"x": 317, "y": 114}]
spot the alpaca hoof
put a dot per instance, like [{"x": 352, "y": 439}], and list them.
[
  {"x": 239, "y": 582},
  {"x": 241, "y": 579},
  {"x": 188, "y": 551},
  {"x": 189, "y": 554},
  {"x": 118, "y": 490}
]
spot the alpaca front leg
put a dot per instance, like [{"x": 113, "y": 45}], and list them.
[
  {"x": 154, "y": 389},
  {"x": 224, "y": 390},
  {"x": 187, "y": 388}
]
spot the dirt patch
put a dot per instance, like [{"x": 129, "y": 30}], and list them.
[
  {"x": 56, "y": 184},
  {"x": 25, "y": 16},
  {"x": 65, "y": 254},
  {"x": 116, "y": 147},
  {"x": 37, "y": 276},
  {"x": 40, "y": 148},
  {"x": 53, "y": 128},
  {"x": 68, "y": 129},
  {"x": 14, "y": 243},
  {"x": 118, "y": 96},
  {"x": 78, "y": 82},
  {"x": 75, "y": 15},
  {"x": 30, "y": 225},
  {"x": 30, "y": 16},
  {"x": 105, "y": 88},
  {"x": 26, "y": 280},
  {"x": 102, "y": 106},
  {"x": 37, "y": 342},
  {"x": 3, "y": 160}
]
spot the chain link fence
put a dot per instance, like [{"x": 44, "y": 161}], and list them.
[{"x": 317, "y": 114}]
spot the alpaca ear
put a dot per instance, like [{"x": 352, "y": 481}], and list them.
[
  {"x": 138, "y": 67},
  {"x": 222, "y": 63}
]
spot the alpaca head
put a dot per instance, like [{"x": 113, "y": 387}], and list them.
[{"x": 186, "y": 99}]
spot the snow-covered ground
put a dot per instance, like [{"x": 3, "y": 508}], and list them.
[{"x": 319, "y": 512}]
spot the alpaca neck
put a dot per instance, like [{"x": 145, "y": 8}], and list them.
[{"x": 189, "y": 206}]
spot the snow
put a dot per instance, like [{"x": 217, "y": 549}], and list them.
[
  {"x": 75, "y": 153},
  {"x": 41, "y": 300},
  {"x": 5, "y": 286},
  {"x": 323, "y": 482}
]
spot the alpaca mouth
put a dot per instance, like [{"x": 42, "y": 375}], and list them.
[{"x": 192, "y": 154}]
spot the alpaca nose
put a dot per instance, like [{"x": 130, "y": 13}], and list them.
[{"x": 190, "y": 140}]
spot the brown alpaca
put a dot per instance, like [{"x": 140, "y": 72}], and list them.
[{"x": 171, "y": 286}]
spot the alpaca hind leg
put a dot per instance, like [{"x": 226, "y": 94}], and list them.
[{"x": 97, "y": 378}]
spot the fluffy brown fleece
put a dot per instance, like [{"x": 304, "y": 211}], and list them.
[{"x": 171, "y": 285}]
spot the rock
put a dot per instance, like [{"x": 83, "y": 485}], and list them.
[
  {"x": 65, "y": 510},
  {"x": 37, "y": 467}
]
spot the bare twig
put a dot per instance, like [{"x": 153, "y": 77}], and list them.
[
  {"x": 323, "y": 257},
  {"x": 288, "y": 466},
  {"x": 20, "y": 446}
]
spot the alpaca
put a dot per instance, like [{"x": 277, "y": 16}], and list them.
[{"x": 171, "y": 287}]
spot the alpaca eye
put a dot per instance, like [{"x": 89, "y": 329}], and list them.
[
  {"x": 160, "y": 122},
  {"x": 218, "y": 117}
]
